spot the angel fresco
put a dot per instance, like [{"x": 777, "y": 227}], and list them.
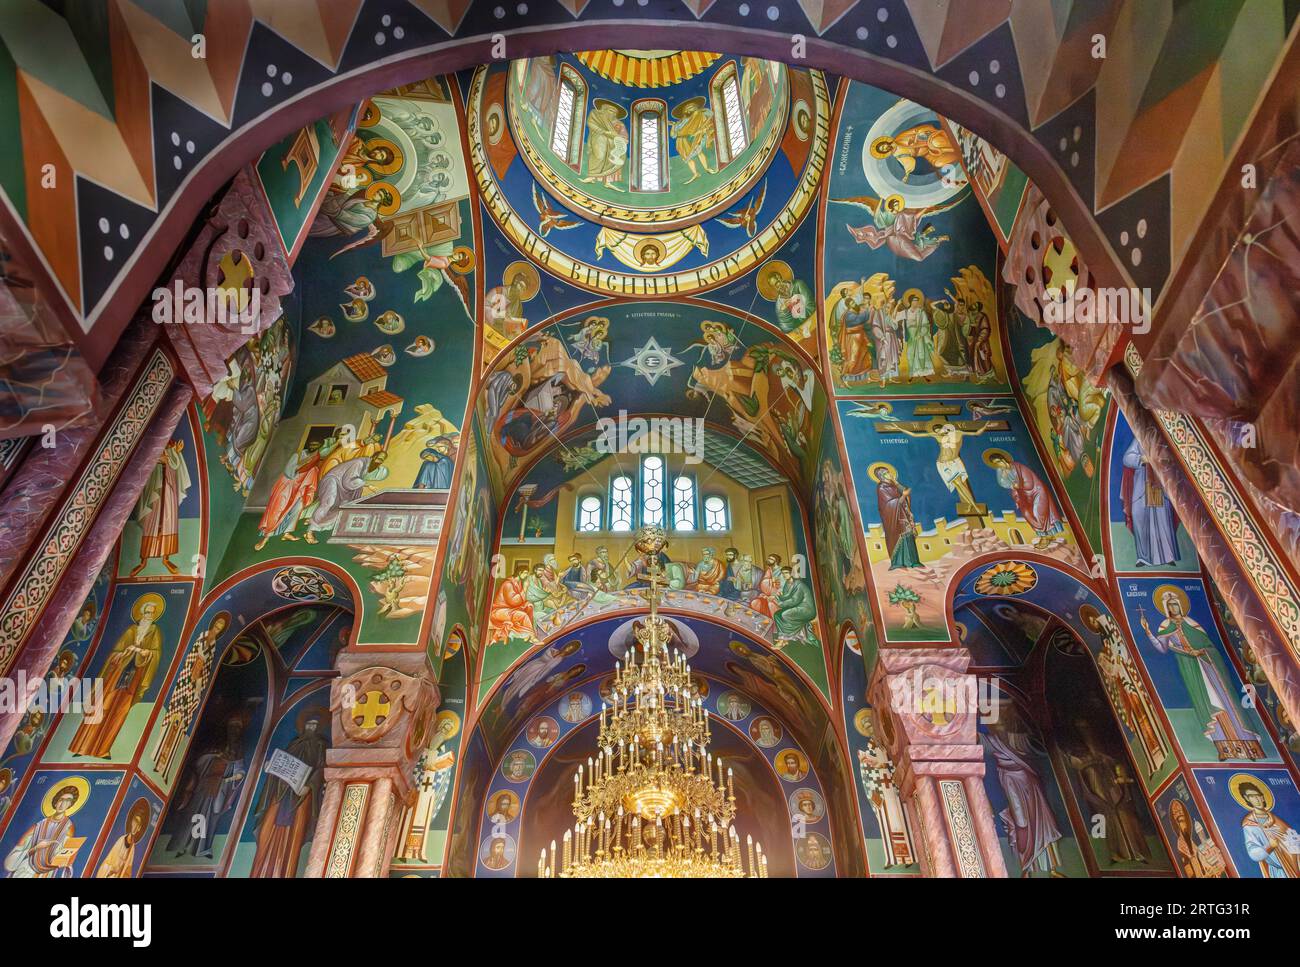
[
  {"x": 792, "y": 298},
  {"x": 896, "y": 227},
  {"x": 1066, "y": 406}
]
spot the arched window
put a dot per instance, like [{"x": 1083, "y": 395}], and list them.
[
  {"x": 652, "y": 491},
  {"x": 620, "y": 503},
  {"x": 684, "y": 504},
  {"x": 650, "y": 146},
  {"x": 728, "y": 114},
  {"x": 715, "y": 514},
  {"x": 565, "y": 133},
  {"x": 589, "y": 514}
]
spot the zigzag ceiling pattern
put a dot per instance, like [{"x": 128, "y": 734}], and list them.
[{"x": 114, "y": 97}]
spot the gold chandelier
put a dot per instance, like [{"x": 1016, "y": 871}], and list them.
[{"x": 653, "y": 801}]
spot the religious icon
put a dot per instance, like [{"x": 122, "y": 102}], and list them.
[
  {"x": 607, "y": 142},
  {"x": 734, "y": 706},
  {"x": 1198, "y": 854},
  {"x": 575, "y": 707},
  {"x": 158, "y": 509},
  {"x": 286, "y": 810},
  {"x": 518, "y": 766},
  {"x": 814, "y": 851},
  {"x": 188, "y": 693},
  {"x": 119, "y": 864},
  {"x": 1270, "y": 841},
  {"x": 766, "y": 732},
  {"x": 1210, "y": 687},
  {"x": 49, "y": 847},
  {"x": 807, "y": 804},
  {"x": 503, "y": 806},
  {"x": 497, "y": 852},
  {"x": 543, "y": 731},
  {"x": 127, "y": 674},
  {"x": 791, "y": 765}
]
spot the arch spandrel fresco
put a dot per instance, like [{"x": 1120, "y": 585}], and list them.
[{"x": 798, "y": 321}]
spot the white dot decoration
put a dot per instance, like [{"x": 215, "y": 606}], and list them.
[
  {"x": 381, "y": 38},
  {"x": 386, "y": 20},
  {"x": 271, "y": 70},
  {"x": 176, "y": 162},
  {"x": 862, "y": 33},
  {"x": 104, "y": 226},
  {"x": 108, "y": 253},
  {"x": 1000, "y": 90},
  {"x": 1136, "y": 257},
  {"x": 744, "y": 9},
  {"x": 398, "y": 33},
  {"x": 1074, "y": 159},
  {"x": 267, "y": 89},
  {"x": 974, "y": 78},
  {"x": 498, "y": 12},
  {"x": 189, "y": 147},
  {"x": 1123, "y": 238},
  {"x": 773, "y": 13},
  {"x": 521, "y": 9},
  {"x": 1142, "y": 228},
  {"x": 176, "y": 139},
  {"x": 1078, "y": 132},
  {"x": 891, "y": 41},
  {"x": 994, "y": 66},
  {"x": 286, "y": 78},
  {"x": 124, "y": 231},
  {"x": 1064, "y": 143},
  {"x": 882, "y": 14}
]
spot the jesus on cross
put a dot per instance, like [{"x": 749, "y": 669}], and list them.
[{"x": 952, "y": 471}]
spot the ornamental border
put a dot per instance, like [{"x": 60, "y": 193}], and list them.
[
  {"x": 594, "y": 279},
  {"x": 63, "y": 537},
  {"x": 1232, "y": 517}
]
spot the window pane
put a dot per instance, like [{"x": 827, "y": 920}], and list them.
[
  {"x": 715, "y": 514},
  {"x": 564, "y": 120},
  {"x": 620, "y": 504},
  {"x": 649, "y": 180},
  {"x": 652, "y": 491},
  {"x": 589, "y": 514},
  {"x": 735, "y": 123},
  {"x": 684, "y": 504}
]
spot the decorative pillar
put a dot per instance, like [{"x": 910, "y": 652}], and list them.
[
  {"x": 1221, "y": 564},
  {"x": 383, "y": 707},
  {"x": 926, "y": 709}
]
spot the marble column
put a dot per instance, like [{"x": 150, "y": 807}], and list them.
[
  {"x": 40, "y": 481},
  {"x": 42, "y": 643},
  {"x": 926, "y": 711},
  {"x": 383, "y": 706},
  {"x": 1221, "y": 564}
]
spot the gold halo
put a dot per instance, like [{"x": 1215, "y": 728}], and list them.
[
  {"x": 881, "y": 465},
  {"x": 782, "y": 269},
  {"x": 1236, "y": 782},
  {"x": 396, "y": 195},
  {"x": 645, "y": 245},
  {"x": 525, "y": 271},
  {"x": 385, "y": 169},
  {"x": 679, "y": 110},
  {"x": 908, "y": 293},
  {"x": 802, "y": 120},
  {"x": 889, "y": 200},
  {"x": 462, "y": 260},
  {"x": 882, "y": 147},
  {"x": 78, "y": 783},
  {"x": 1090, "y": 617},
  {"x": 159, "y": 605},
  {"x": 140, "y": 805},
  {"x": 620, "y": 110},
  {"x": 369, "y": 115},
  {"x": 862, "y": 722},
  {"x": 495, "y": 123},
  {"x": 996, "y": 452},
  {"x": 1158, "y": 597},
  {"x": 448, "y": 715}
]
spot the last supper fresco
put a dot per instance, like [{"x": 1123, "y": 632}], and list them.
[{"x": 628, "y": 461}]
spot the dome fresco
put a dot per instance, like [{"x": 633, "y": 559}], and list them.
[{"x": 546, "y": 337}]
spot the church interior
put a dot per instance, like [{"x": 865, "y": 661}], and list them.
[{"x": 444, "y": 438}]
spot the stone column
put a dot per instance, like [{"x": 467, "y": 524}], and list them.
[
  {"x": 383, "y": 707},
  {"x": 926, "y": 710}
]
